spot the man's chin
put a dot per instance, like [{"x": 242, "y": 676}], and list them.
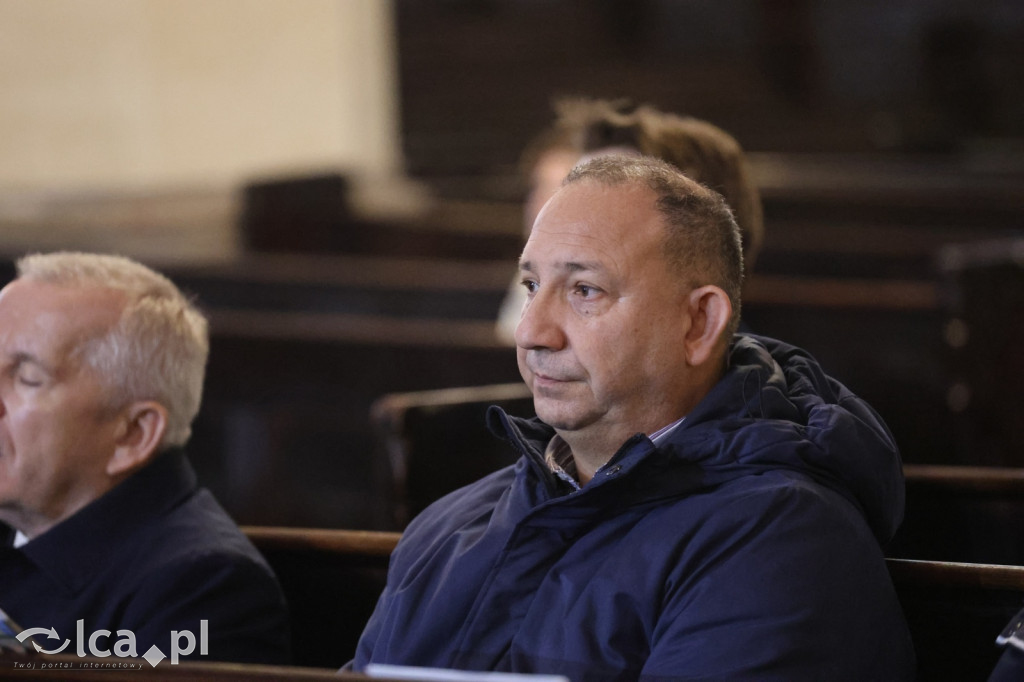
[{"x": 559, "y": 419}]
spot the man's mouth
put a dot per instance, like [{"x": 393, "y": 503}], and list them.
[{"x": 540, "y": 378}]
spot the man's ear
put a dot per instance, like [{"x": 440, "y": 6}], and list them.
[
  {"x": 140, "y": 433},
  {"x": 710, "y": 310}
]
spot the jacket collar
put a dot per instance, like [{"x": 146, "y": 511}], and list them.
[
  {"x": 99, "y": 530},
  {"x": 774, "y": 409},
  {"x": 531, "y": 437}
]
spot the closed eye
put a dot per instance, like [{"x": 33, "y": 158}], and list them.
[{"x": 27, "y": 372}]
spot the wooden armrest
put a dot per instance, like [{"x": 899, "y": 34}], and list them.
[
  {"x": 353, "y": 542},
  {"x": 908, "y": 573},
  {"x": 973, "y": 479}
]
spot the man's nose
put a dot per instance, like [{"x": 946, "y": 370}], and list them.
[{"x": 540, "y": 325}]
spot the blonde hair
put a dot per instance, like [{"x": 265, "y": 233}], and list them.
[
  {"x": 159, "y": 346},
  {"x": 702, "y": 151}
]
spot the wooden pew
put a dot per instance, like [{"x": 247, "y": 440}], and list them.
[
  {"x": 313, "y": 214},
  {"x": 955, "y": 611},
  {"x": 437, "y": 441},
  {"x": 374, "y": 285},
  {"x": 374, "y": 547},
  {"x": 284, "y": 436},
  {"x": 331, "y": 580},
  {"x": 966, "y": 480},
  {"x": 963, "y": 513}
]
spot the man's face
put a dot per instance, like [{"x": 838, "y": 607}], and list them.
[
  {"x": 600, "y": 339},
  {"x": 55, "y": 435}
]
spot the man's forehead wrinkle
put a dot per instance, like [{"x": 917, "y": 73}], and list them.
[
  {"x": 594, "y": 266},
  {"x": 602, "y": 246},
  {"x": 576, "y": 229}
]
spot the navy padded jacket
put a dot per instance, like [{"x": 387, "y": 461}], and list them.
[{"x": 746, "y": 546}]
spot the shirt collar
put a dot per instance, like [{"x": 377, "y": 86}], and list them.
[
  {"x": 559, "y": 457},
  {"x": 661, "y": 434}
]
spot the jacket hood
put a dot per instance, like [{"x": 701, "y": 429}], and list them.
[{"x": 775, "y": 408}]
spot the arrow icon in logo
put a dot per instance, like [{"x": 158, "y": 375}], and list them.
[{"x": 50, "y": 634}]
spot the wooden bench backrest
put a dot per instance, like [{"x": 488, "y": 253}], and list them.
[
  {"x": 962, "y": 513},
  {"x": 331, "y": 579},
  {"x": 437, "y": 441}
]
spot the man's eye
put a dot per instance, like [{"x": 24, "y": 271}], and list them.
[
  {"x": 586, "y": 291},
  {"x": 531, "y": 285},
  {"x": 29, "y": 380},
  {"x": 27, "y": 375}
]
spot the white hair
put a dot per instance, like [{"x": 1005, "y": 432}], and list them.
[{"x": 159, "y": 346}]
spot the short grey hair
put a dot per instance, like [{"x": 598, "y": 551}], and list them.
[
  {"x": 159, "y": 346},
  {"x": 702, "y": 240}
]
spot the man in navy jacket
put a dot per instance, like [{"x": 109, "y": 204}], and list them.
[
  {"x": 105, "y": 540},
  {"x": 1010, "y": 666},
  {"x": 690, "y": 504}
]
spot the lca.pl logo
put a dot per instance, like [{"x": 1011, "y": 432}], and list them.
[{"x": 183, "y": 643}]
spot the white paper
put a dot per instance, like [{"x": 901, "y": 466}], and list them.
[{"x": 405, "y": 672}]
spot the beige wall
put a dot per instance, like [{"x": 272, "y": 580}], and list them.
[{"x": 98, "y": 94}]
